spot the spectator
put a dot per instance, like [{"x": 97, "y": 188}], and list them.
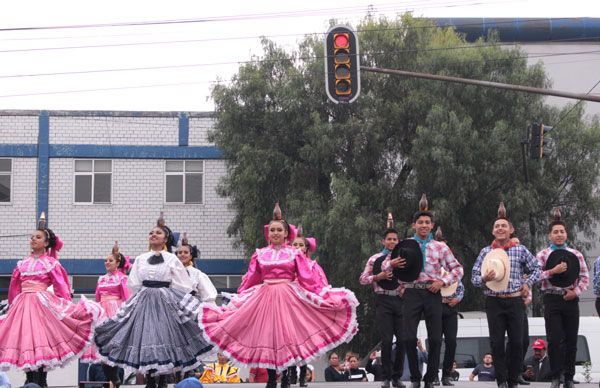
[
  {"x": 485, "y": 371},
  {"x": 4, "y": 382},
  {"x": 310, "y": 373},
  {"x": 454, "y": 375},
  {"x": 538, "y": 365},
  {"x": 334, "y": 371},
  {"x": 258, "y": 375},
  {"x": 374, "y": 366},
  {"x": 346, "y": 364},
  {"x": 353, "y": 373},
  {"x": 220, "y": 371},
  {"x": 421, "y": 358}
]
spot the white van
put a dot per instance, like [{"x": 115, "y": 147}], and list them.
[{"x": 473, "y": 342}]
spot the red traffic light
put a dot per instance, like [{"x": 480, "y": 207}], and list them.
[{"x": 341, "y": 40}]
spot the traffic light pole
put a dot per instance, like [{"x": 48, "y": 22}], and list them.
[{"x": 489, "y": 84}]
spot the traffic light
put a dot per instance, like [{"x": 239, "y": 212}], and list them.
[
  {"x": 537, "y": 142},
  {"x": 342, "y": 68}
]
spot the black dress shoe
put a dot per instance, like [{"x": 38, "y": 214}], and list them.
[
  {"x": 429, "y": 384},
  {"x": 446, "y": 382},
  {"x": 415, "y": 384},
  {"x": 397, "y": 383},
  {"x": 522, "y": 381},
  {"x": 272, "y": 384},
  {"x": 503, "y": 385}
]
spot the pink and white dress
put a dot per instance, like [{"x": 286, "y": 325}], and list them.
[
  {"x": 282, "y": 314},
  {"x": 111, "y": 293},
  {"x": 42, "y": 328}
]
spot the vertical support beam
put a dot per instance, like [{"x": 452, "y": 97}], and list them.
[
  {"x": 43, "y": 163},
  {"x": 184, "y": 129}
]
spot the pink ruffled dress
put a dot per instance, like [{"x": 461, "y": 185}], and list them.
[
  {"x": 43, "y": 328},
  {"x": 282, "y": 315},
  {"x": 111, "y": 293}
]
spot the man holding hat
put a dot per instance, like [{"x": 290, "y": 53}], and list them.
[
  {"x": 388, "y": 305},
  {"x": 564, "y": 277},
  {"x": 422, "y": 291},
  {"x": 499, "y": 269}
]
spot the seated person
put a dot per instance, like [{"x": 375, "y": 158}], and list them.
[
  {"x": 538, "y": 365},
  {"x": 220, "y": 371},
  {"x": 335, "y": 372},
  {"x": 353, "y": 372},
  {"x": 485, "y": 371}
]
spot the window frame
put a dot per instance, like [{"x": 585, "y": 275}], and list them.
[
  {"x": 93, "y": 175},
  {"x": 11, "y": 177},
  {"x": 183, "y": 174}
]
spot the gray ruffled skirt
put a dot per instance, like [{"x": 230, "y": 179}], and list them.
[{"x": 156, "y": 331}]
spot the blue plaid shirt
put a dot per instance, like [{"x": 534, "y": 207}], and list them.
[
  {"x": 521, "y": 261},
  {"x": 459, "y": 293},
  {"x": 597, "y": 276}
]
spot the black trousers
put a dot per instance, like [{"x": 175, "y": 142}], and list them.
[
  {"x": 598, "y": 305},
  {"x": 449, "y": 330},
  {"x": 388, "y": 315},
  {"x": 418, "y": 302},
  {"x": 524, "y": 341},
  {"x": 562, "y": 325},
  {"x": 505, "y": 315}
]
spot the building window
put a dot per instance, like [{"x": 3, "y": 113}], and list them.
[
  {"x": 5, "y": 179},
  {"x": 184, "y": 181},
  {"x": 93, "y": 181}
]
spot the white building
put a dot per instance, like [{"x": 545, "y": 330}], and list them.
[{"x": 105, "y": 176}]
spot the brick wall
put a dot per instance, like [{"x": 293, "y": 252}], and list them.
[{"x": 18, "y": 129}]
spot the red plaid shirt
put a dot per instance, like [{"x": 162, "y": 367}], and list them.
[
  {"x": 580, "y": 284},
  {"x": 367, "y": 275},
  {"x": 438, "y": 255}
]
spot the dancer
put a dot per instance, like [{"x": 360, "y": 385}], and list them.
[
  {"x": 388, "y": 306},
  {"x": 43, "y": 330},
  {"x": 205, "y": 290},
  {"x": 274, "y": 321},
  {"x": 565, "y": 275},
  {"x": 156, "y": 331},
  {"x": 111, "y": 293},
  {"x": 422, "y": 296},
  {"x": 499, "y": 269}
]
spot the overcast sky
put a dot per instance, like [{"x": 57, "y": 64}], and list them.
[{"x": 172, "y": 66}]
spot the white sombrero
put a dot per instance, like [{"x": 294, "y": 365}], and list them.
[
  {"x": 497, "y": 259},
  {"x": 447, "y": 291}
]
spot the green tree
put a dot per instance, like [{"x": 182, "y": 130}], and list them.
[{"x": 338, "y": 169}]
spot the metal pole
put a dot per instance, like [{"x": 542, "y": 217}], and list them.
[{"x": 489, "y": 84}]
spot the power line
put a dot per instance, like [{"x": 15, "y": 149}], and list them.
[{"x": 260, "y": 16}]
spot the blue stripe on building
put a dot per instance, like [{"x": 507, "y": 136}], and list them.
[
  {"x": 91, "y": 267},
  {"x": 43, "y": 163},
  {"x": 18, "y": 150},
  {"x": 184, "y": 129},
  {"x": 133, "y": 152}
]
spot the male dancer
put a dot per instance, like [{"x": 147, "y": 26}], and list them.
[
  {"x": 561, "y": 304},
  {"x": 422, "y": 297},
  {"x": 504, "y": 308},
  {"x": 388, "y": 306}
]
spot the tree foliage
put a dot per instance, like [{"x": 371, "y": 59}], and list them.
[{"x": 338, "y": 169}]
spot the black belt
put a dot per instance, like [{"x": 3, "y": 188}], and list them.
[
  {"x": 155, "y": 284},
  {"x": 553, "y": 292}
]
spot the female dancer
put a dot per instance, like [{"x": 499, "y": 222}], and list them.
[
  {"x": 43, "y": 330},
  {"x": 205, "y": 290},
  {"x": 306, "y": 245},
  {"x": 275, "y": 322},
  {"x": 156, "y": 331},
  {"x": 111, "y": 293}
]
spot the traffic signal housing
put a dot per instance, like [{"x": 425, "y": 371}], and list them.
[
  {"x": 537, "y": 141},
  {"x": 342, "y": 67}
]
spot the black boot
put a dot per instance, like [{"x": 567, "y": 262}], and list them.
[
  {"x": 150, "y": 381},
  {"x": 112, "y": 374},
  {"x": 302, "y": 377},
  {"x": 285, "y": 379},
  {"x": 31, "y": 377},
  {"x": 162, "y": 381},
  {"x": 272, "y": 383},
  {"x": 42, "y": 378}
]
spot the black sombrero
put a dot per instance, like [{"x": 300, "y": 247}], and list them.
[
  {"x": 409, "y": 250},
  {"x": 386, "y": 284},
  {"x": 568, "y": 277}
]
